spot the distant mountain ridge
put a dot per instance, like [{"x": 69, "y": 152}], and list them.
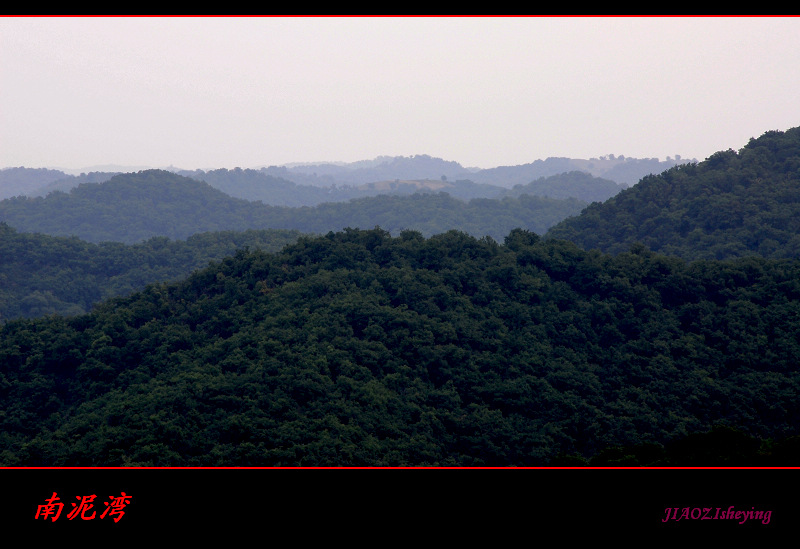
[
  {"x": 256, "y": 185},
  {"x": 626, "y": 171},
  {"x": 623, "y": 170}
]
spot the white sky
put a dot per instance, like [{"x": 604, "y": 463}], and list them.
[{"x": 222, "y": 92}]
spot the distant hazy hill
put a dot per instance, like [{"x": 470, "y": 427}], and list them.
[
  {"x": 23, "y": 181},
  {"x": 311, "y": 184},
  {"x": 420, "y": 166},
  {"x": 40, "y": 181},
  {"x": 732, "y": 204},
  {"x": 580, "y": 185},
  {"x": 625, "y": 171},
  {"x": 134, "y": 207},
  {"x": 257, "y": 185},
  {"x": 64, "y": 184}
]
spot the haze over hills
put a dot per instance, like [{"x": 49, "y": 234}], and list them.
[
  {"x": 632, "y": 332},
  {"x": 125, "y": 224},
  {"x": 134, "y": 207},
  {"x": 625, "y": 171},
  {"x": 344, "y": 181},
  {"x": 258, "y": 185}
]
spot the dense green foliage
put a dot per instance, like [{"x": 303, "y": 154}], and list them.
[
  {"x": 359, "y": 348},
  {"x": 659, "y": 327},
  {"x": 41, "y": 275},
  {"x": 432, "y": 214},
  {"x": 731, "y": 205},
  {"x": 133, "y": 207}
]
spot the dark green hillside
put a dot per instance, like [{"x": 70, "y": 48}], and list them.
[
  {"x": 437, "y": 213},
  {"x": 731, "y": 205},
  {"x": 42, "y": 274},
  {"x": 358, "y": 348}
]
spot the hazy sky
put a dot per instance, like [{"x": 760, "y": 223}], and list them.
[{"x": 222, "y": 92}]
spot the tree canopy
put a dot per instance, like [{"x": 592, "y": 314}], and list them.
[
  {"x": 362, "y": 348},
  {"x": 42, "y": 275}
]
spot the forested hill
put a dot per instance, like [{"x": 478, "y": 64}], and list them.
[
  {"x": 255, "y": 185},
  {"x": 133, "y": 207},
  {"x": 730, "y": 205},
  {"x": 359, "y": 348},
  {"x": 42, "y": 275},
  {"x": 575, "y": 184}
]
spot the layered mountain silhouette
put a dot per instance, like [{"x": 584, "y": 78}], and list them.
[
  {"x": 311, "y": 184},
  {"x": 655, "y": 326},
  {"x": 136, "y": 206}
]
